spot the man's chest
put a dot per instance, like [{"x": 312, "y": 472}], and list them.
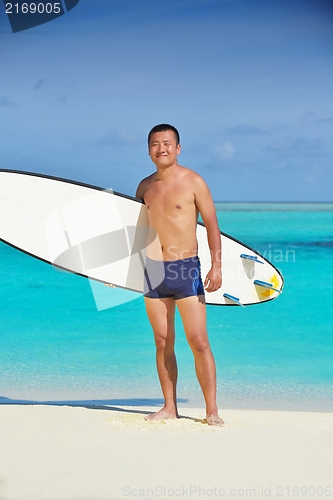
[{"x": 169, "y": 197}]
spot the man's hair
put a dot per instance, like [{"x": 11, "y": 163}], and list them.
[{"x": 163, "y": 127}]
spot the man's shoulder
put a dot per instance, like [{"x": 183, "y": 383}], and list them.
[
  {"x": 144, "y": 185},
  {"x": 148, "y": 179},
  {"x": 191, "y": 175}
]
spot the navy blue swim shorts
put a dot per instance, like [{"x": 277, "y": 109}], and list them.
[{"x": 175, "y": 278}]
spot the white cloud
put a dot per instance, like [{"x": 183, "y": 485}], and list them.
[
  {"x": 299, "y": 144},
  {"x": 311, "y": 117},
  {"x": 246, "y": 130},
  {"x": 118, "y": 138},
  {"x": 224, "y": 152}
]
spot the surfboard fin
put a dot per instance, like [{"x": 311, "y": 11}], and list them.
[
  {"x": 254, "y": 258},
  {"x": 264, "y": 284},
  {"x": 233, "y": 299}
]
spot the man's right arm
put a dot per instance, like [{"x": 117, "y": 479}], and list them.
[
  {"x": 205, "y": 205},
  {"x": 139, "y": 192},
  {"x": 143, "y": 187}
]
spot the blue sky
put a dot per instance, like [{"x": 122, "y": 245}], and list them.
[{"x": 248, "y": 83}]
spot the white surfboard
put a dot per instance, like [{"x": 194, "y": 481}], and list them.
[{"x": 102, "y": 235}]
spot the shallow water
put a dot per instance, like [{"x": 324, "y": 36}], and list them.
[{"x": 56, "y": 345}]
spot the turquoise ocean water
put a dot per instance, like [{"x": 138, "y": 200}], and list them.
[{"x": 56, "y": 346}]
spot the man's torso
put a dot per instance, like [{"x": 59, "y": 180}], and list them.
[{"x": 172, "y": 215}]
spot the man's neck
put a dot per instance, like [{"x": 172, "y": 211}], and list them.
[{"x": 165, "y": 173}]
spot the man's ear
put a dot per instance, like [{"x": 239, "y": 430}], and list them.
[{"x": 178, "y": 149}]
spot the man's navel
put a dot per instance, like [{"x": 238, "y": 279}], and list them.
[{"x": 178, "y": 206}]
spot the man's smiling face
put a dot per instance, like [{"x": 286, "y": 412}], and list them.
[{"x": 163, "y": 149}]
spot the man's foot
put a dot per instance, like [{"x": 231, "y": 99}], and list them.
[
  {"x": 214, "y": 420},
  {"x": 161, "y": 414}
]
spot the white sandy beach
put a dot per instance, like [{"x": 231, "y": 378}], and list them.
[{"x": 72, "y": 453}]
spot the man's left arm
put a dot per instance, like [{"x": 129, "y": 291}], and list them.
[{"x": 205, "y": 205}]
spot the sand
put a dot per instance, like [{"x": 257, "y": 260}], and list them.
[{"x": 70, "y": 453}]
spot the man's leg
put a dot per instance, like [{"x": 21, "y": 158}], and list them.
[
  {"x": 161, "y": 314},
  {"x": 193, "y": 313}
]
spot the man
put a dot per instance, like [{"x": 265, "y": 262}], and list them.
[{"x": 174, "y": 196}]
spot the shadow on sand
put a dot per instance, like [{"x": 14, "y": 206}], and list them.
[{"x": 99, "y": 404}]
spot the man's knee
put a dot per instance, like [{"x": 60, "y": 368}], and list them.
[
  {"x": 163, "y": 341},
  {"x": 160, "y": 340},
  {"x": 198, "y": 342}
]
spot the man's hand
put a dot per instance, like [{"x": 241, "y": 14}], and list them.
[{"x": 213, "y": 279}]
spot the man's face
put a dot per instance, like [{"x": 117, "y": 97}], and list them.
[{"x": 163, "y": 148}]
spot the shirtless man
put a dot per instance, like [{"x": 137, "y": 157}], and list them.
[{"x": 174, "y": 196}]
